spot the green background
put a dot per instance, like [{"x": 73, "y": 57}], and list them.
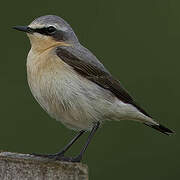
[{"x": 138, "y": 41}]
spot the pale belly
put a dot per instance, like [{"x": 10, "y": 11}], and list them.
[
  {"x": 72, "y": 99},
  {"x": 67, "y": 96}
]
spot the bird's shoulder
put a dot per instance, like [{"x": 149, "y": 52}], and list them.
[{"x": 82, "y": 54}]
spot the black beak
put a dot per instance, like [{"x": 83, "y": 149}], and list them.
[{"x": 23, "y": 28}]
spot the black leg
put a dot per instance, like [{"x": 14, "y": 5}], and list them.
[
  {"x": 79, "y": 157},
  {"x": 70, "y": 143},
  {"x": 60, "y": 156},
  {"x": 61, "y": 153}
]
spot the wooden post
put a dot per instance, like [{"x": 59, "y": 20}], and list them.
[{"x": 15, "y": 166}]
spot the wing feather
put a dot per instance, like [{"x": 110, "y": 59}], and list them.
[{"x": 97, "y": 75}]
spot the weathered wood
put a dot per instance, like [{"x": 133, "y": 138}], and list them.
[{"x": 15, "y": 166}]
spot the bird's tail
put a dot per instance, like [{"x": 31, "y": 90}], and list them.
[{"x": 160, "y": 128}]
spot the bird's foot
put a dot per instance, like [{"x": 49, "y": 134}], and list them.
[
  {"x": 49, "y": 156},
  {"x": 59, "y": 157}
]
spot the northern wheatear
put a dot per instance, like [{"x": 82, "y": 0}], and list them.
[{"x": 72, "y": 86}]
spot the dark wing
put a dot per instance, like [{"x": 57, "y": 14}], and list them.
[{"x": 97, "y": 75}]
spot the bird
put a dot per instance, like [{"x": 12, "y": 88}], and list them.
[{"x": 73, "y": 86}]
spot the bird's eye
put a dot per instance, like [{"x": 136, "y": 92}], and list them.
[{"x": 51, "y": 29}]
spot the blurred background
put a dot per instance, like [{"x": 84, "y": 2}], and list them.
[{"x": 138, "y": 41}]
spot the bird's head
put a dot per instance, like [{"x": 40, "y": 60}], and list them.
[{"x": 47, "y": 31}]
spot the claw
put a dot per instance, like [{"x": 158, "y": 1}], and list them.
[
  {"x": 59, "y": 157},
  {"x": 50, "y": 156}
]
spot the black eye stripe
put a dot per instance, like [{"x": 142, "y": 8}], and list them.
[
  {"x": 41, "y": 31},
  {"x": 45, "y": 31},
  {"x": 58, "y": 35},
  {"x": 51, "y": 29}
]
